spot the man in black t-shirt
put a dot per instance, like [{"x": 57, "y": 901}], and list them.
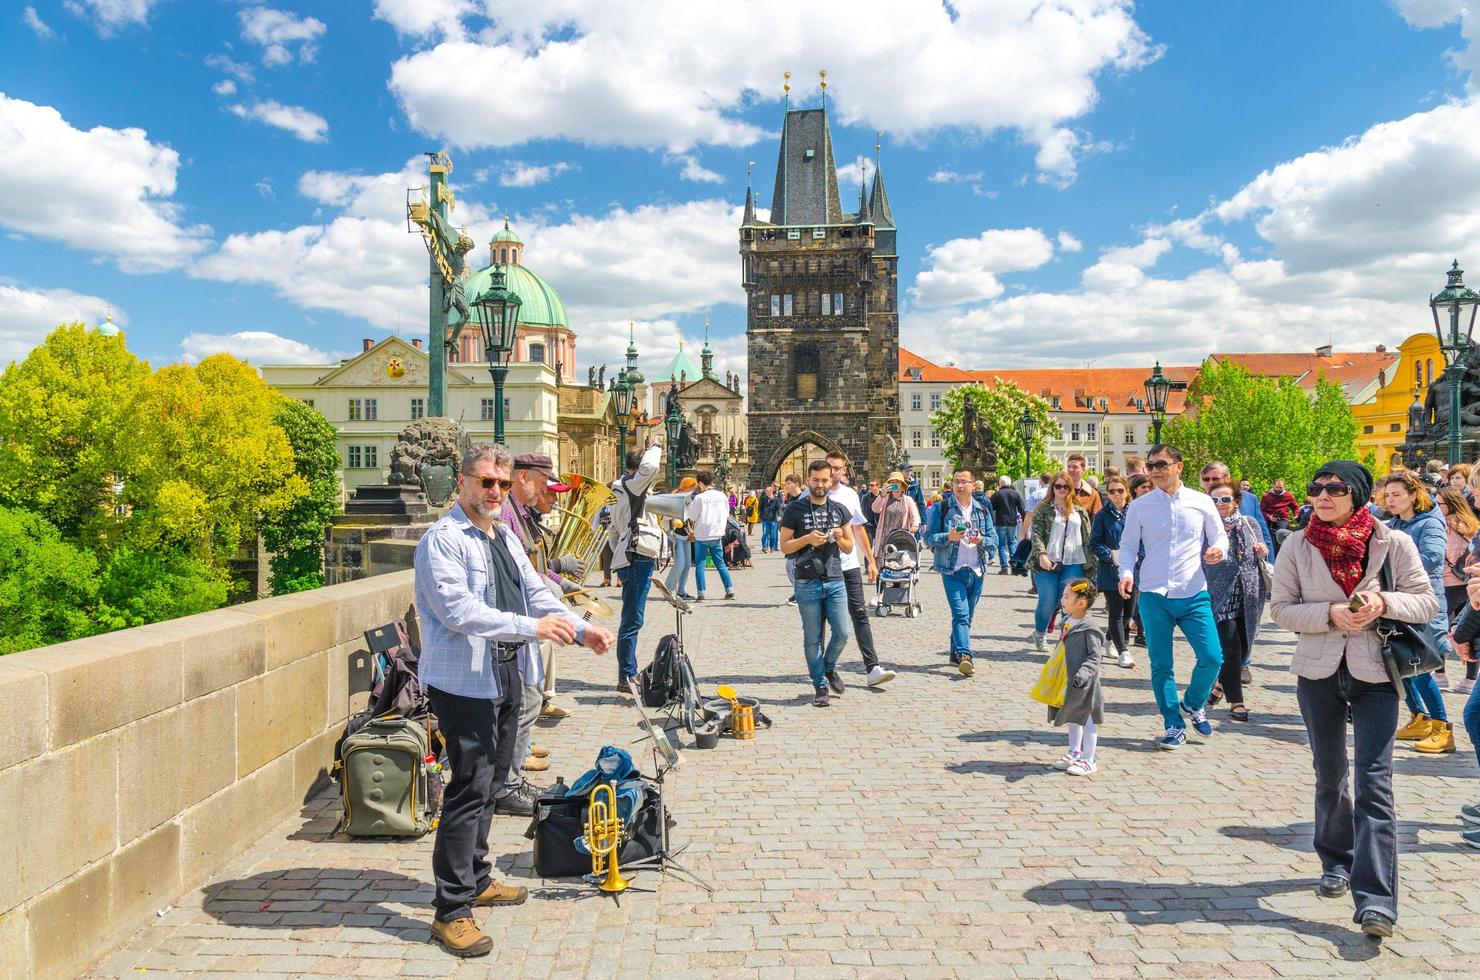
[
  {"x": 815, "y": 532},
  {"x": 1007, "y": 513}
]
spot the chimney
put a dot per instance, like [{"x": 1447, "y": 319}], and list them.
[
  {"x": 416, "y": 343},
  {"x": 1323, "y": 351},
  {"x": 367, "y": 342},
  {"x": 1382, "y": 348}
]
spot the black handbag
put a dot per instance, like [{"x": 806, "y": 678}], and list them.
[
  {"x": 560, "y": 820},
  {"x": 1408, "y": 649}
]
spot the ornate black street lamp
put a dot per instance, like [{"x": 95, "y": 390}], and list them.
[
  {"x": 1157, "y": 388},
  {"x": 1027, "y": 425},
  {"x": 622, "y": 397},
  {"x": 498, "y": 318},
  {"x": 1453, "y": 298},
  {"x": 673, "y": 425}
]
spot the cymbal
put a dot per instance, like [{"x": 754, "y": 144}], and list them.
[
  {"x": 586, "y": 600},
  {"x": 669, "y": 595}
]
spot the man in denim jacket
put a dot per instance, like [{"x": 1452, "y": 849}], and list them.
[{"x": 961, "y": 534}]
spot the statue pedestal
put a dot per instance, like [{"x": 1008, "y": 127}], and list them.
[{"x": 377, "y": 532}]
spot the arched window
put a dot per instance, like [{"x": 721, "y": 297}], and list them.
[
  {"x": 537, "y": 353},
  {"x": 1429, "y": 368},
  {"x": 1418, "y": 374},
  {"x": 808, "y": 369}
]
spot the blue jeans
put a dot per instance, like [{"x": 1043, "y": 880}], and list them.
[
  {"x": 1422, "y": 695},
  {"x": 683, "y": 560},
  {"x": 816, "y": 599},
  {"x": 1194, "y": 615},
  {"x": 636, "y": 579},
  {"x": 1472, "y": 720},
  {"x": 717, "y": 549},
  {"x": 963, "y": 589},
  {"x": 1050, "y": 590},
  {"x": 770, "y": 534},
  {"x": 1006, "y": 542}
]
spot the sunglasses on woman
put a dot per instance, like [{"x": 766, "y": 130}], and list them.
[
  {"x": 1226, "y": 498},
  {"x": 1061, "y": 486},
  {"x": 488, "y": 482},
  {"x": 1335, "y": 489}
]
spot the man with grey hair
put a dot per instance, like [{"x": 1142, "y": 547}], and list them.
[
  {"x": 1007, "y": 513},
  {"x": 482, "y": 608},
  {"x": 1248, "y": 504}
]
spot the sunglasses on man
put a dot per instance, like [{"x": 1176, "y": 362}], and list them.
[
  {"x": 1157, "y": 465},
  {"x": 1334, "y": 489},
  {"x": 488, "y": 482}
]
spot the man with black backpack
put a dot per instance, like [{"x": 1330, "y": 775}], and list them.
[{"x": 636, "y": 540}]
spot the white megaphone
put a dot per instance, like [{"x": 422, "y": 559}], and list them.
[{"x": 667, "y": 504}]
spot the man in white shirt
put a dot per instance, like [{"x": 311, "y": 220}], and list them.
[
  {"x": 842, "y": 493},
  {"x": 1179, "y": 529},
  {"x": 710, "y": 513},
  {"x": 633, "y": 536}
]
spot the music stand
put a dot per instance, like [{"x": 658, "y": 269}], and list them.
[
  {"x": 685, "y": 710},
  {"x": 665, "y": 861}
]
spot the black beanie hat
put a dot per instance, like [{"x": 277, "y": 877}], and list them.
[{"x": 1354, "y": 475}]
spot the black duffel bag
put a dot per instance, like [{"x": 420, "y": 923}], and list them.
[{"x": 560, "y": 820}]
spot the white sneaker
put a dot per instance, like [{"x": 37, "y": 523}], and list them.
[
  {"x": 1126, "y": 660},
  {"x": 1465, "y": 686},
  {"x": 880, "y": 676},
  {"x": 1083, "y": 767},
  {"x": 1037, "y": 640},
  {"x": 1065, "y": 761}
]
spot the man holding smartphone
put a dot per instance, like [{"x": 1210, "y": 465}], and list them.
[
  {"x": 959, "y": 534},
  {"x": 815, "y": 533},
  {"x": 854, "y": 564}
]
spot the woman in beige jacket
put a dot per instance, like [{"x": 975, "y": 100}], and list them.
[{"x": 1329, "y": 590}]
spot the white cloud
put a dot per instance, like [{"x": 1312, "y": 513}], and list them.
[
  {"x": 256, "y": 346},
  {"x": 38, "y": 26},
  {"x": 242, "y": 73},
  {"x": 1428, "y": 14},
  {"x": 600, "y": 73},
  {"x": 109, "y": 16},
  {"x": 224, "y": 87},
  {"x": 425, "y": 18},
  {"x": 965, "y": 270},
  {"x": 117, "y": 188},
  {"x": 28, "y": 315},
  {"x": 695, "y": 171},
  {"x": 1352, "y": 239},
  {"x": 308, "y": 126},
  {"x": 944, "y": 176},
  {"x": 278, "y": 32},
  {"x": 1068, "y": 243},
  {"x": 860, "y": 171},
  {"x": 518, "y": 174}
]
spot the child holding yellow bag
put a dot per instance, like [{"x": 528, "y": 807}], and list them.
[{"x": 1081, "y": 645}]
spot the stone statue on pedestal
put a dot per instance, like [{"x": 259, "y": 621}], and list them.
[
  {"x": 434, "y": 441},
  {"x": 978, "y": 444}
]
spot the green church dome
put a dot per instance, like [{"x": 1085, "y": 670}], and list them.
[
  {"x": 504, "y": 234},
  {"x": 538, "y": 303}
]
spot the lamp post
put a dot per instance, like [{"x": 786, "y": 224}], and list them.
[
  {"x": 498, "y": 317},
  {"x": 1157, "y": 388},
  {"x": 1027, "y": 425},
  {"x": 673, "y": 425},
  {"x": 622, "y": 405},
  {"x": 1453, "y": 298}
]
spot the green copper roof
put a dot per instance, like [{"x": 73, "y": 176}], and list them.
[
  {"x": 539, "y": 304},
  {"x": 505, "y": 235},
  {"x": 681, "y": 364}
]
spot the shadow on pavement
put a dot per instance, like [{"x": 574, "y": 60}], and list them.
[
  {"x": 298, "y": 898},
  {"x": 1144, "y": 904},
  {"x": 1298, "y": 836},
  {"x": 1057, "y": 738}
]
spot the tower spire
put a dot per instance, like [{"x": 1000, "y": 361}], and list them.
[
  {"x": 749, "y": 218},
  {"x": 706, "y": 356},
  {"x": 822, "y": 74}
]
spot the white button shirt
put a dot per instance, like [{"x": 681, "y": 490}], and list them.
[
  {"x": 710, "y": 512},
  {"x": 1175, "y": 529}
]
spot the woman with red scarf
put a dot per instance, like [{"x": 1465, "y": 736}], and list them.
[{"x": 1329, "y": 590}]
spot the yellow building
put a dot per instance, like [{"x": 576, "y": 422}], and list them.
[{"x": 1382, "y": 416}]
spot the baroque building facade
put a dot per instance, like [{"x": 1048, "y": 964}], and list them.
[{"x": 822, "y": 314}]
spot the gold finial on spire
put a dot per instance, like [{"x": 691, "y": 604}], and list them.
[
  {"x": 823, "y": 75},
  {"x": 786, "y": 85},
  {"x": 878, "y": 143}
]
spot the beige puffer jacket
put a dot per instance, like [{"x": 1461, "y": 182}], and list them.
[{"x": 1304, "y": 591}]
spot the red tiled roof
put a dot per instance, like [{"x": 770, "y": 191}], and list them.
[
  {"x": 1119, "y": 387},
  {"x": 929, "y": 371},
  {"x": 1340, "y": 367}
]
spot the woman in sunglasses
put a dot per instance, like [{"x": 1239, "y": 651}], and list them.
[
  {"x": 1463, "y": 534},
  {"x": 1104, "y": 538},
  {"x": 1329, "y": 591},
  {"x": 1412, "y": 511},
  {"x": 1061, "y": 551},
  {"x": 1237, "y": 595}
]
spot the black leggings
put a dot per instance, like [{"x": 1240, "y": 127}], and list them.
[
  {"x": 1235, "y": 640},
  {"x": 1456, "y": 598},
  {"x": 1122, "y": 613}
]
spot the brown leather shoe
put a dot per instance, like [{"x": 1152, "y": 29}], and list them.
[
  {"x": 461, "y": 937},
  {"x": 553, "y": 710},
  {"x": 535, "y": 764},
  {"x": 538, "y": 752},
  {"x": 498, "y": 893}
]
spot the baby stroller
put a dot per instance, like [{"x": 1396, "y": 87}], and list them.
[{"x": 899, "y": 575}]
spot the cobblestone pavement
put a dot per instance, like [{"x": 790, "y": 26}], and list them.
[{"x": 917, "y": 832}]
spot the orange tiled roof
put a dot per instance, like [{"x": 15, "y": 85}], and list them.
[
  {"x": 1346, "y": 368},
  {"x": 1118, "y": 387},
  {"x": 929, "y": 371}
]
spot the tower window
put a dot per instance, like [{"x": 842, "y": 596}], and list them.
[
  {"x": 786, "y": 304},
  {"x": 807, "y": 371},
  {"x": 537, "y": 353},
  {"x": 775, "y": 304}
]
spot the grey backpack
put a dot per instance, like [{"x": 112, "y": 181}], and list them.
[{"x": 388, "y": 786}]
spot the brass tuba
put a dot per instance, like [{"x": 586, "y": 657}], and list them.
[
  {"x": 579, "y": 535},
  {"x": 603, "y": 832}
]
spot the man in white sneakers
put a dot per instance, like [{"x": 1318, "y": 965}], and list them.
[
  {"x": 852, "y": 563},
  {"x": 709, "y": 513}
]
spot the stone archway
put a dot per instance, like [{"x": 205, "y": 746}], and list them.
[{"x": 796, "y": 452}]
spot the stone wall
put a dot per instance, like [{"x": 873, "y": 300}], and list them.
[{"x": 137, "y": 764}]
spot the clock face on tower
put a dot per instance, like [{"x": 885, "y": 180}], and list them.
[{"x": 395, "y": 368}]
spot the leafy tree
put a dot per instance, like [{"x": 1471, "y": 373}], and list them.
[
  {"x": 48, "y": 588},
  {"x": 61, "y": 409},
  {"x": 204, "y": 462},
  {"x": 1263, "y": 428},
  {"x": 142, "y": 587},
  {"x": 1002, "y": 406},
  {"x": 296, "y": 536}
]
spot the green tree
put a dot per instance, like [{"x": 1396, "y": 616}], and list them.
[
  {"x": 61, "y": 409},
  {"x": 1263, "y": 428},
  {"x": 48, "y": 588},
  {"x": 1002, "y": 406},
  {"x": 142, "y": 587},
  {"x": 296, "y": 536}
]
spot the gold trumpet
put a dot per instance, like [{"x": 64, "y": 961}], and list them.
[{"x": 604, "y": 837}]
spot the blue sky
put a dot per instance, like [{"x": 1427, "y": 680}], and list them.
[{"x": 1074, "y": 180}]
